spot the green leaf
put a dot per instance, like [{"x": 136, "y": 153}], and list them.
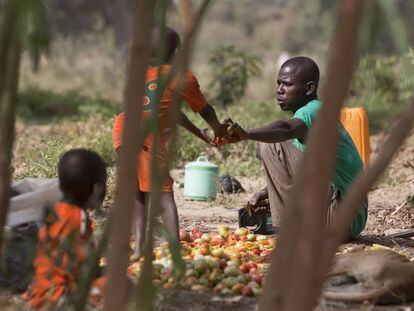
[
  {"x": 232, "y": 70},
  {"x": 33, "y": 27}
]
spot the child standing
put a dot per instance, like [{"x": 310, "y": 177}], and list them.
[{"x": 192, "y": 95}]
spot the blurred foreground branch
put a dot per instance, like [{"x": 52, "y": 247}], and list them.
[
  {"x": 295, "y": 272},
  {"x": 351, "y": 203},
  {"x": 186, "y": 14},
  {"x": 116, "y": 291},
  {"x": 23, "y": 26},
  {"x": 10, "y": 52},
  {"x": 177, "y": 74}
]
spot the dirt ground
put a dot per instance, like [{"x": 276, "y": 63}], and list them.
[
  {"x": 391, "y": 209},
  {"x": 390, "y": 201}
]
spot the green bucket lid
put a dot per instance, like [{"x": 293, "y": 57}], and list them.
[{"x": 202, "y": 164}]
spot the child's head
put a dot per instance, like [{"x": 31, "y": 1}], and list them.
[
  {"x": 82, "y": 177},
  {"x": 171, "y": 43}
]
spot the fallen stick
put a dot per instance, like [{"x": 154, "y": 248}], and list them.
[
  {"x": 408, "y": 184},
  {"x": 399, "y": 208},
  {"x": 402, "y": 234},
  {"x": 410, "y": 164}
]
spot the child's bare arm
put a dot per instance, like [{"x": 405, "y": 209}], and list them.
[
  {"x": 192, "y": 128},
  {"x": 209, "y": 115}
]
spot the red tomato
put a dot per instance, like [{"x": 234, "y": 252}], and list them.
[{"x": 257, "y": 278}]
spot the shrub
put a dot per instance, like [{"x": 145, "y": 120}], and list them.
[
  {"x": 382, "y": 85},
  {"x": 41, "y": 161},
  {"x": 95, "y": 134},
  {"x": 231, "y": 70}
]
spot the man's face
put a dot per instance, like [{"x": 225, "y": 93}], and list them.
[{"x": 291, "y": 89}]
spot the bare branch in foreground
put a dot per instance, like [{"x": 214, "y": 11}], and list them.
[
  {"x": 10, "y": 54},
  {"x": 358, "y": 191},
  {"x": 295, "y": 266},
  {"x": 121, "y": 215},
  {"x": 177, "y": 75},
  {"x": 186, "y": 14}
]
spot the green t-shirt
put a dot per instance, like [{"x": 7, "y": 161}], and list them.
[{"x": 348, "y": 162}]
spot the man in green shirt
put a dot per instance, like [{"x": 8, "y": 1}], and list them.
[{"x": 283, "y": 143}]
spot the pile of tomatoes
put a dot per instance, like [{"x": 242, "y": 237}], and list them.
[{"x": 225, "y": 261}]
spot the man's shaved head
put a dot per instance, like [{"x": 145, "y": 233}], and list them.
[
  {"x": 305, "y": 67},
  {"x": 297, "y": 83},
  {"x": 79, "y": 170},
  {"x": 171, "y": 41}
]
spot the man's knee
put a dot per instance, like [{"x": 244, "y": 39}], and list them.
[
  {"x": 265, "y": 150},
  {"x": 270, "y": 153}
]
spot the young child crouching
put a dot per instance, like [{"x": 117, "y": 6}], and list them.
[{"x": 64, "y": 239}]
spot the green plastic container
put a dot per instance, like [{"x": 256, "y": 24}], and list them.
[{"x": 200, "y": 180}]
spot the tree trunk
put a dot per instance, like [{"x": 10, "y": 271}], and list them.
[
  {"x": 117, "y": 285},
  {"x": 295, "y": 272},
  {"x": 116, "y": 290},
  {"x": 186, "y": 14},
  {"x": 10, "y": 52},
  {"x": 118, "y": 14}
]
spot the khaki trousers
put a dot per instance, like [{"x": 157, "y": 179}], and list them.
[{"x": 280, "y": 162}]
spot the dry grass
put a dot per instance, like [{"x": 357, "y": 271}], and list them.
[{"x": 89, "y": 66}]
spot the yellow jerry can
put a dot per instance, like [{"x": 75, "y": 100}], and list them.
[{"x": 355, "y": 120}]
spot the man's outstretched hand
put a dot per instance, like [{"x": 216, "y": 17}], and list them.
[
  {"x": 235, "y": 132},
  {"x": 230, "y": 132}
]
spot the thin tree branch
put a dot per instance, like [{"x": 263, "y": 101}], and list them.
[
  {"x": 177, "y": 75},
  {"x": 186, "y": 14},
  {"x": 90, "y": 271},
  {"x": 294, "y": 271},
  {"x": 117, "y": 285},
  {"x": 348, "y": 210},
  {"x": 117, "y": 259},
  {"x": 9, "y": 78},
  {"x": 146, "y": 288}
]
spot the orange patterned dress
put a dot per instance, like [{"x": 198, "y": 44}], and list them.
[{"x": 63, "y": 243}]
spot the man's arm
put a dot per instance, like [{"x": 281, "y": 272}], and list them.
[{"x": 274, "y": 132}]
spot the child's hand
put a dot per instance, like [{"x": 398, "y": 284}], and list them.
[
  {"x": 224, "y": 137},
  {"x": 221, "y": 131},
  {"x": 219, "y": 141},
  {"x": 204, "y": 136}
]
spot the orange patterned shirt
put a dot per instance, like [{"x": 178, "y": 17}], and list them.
[
  {"x": 191, "y": 94},
  {"x": 62, "y": 247}
]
